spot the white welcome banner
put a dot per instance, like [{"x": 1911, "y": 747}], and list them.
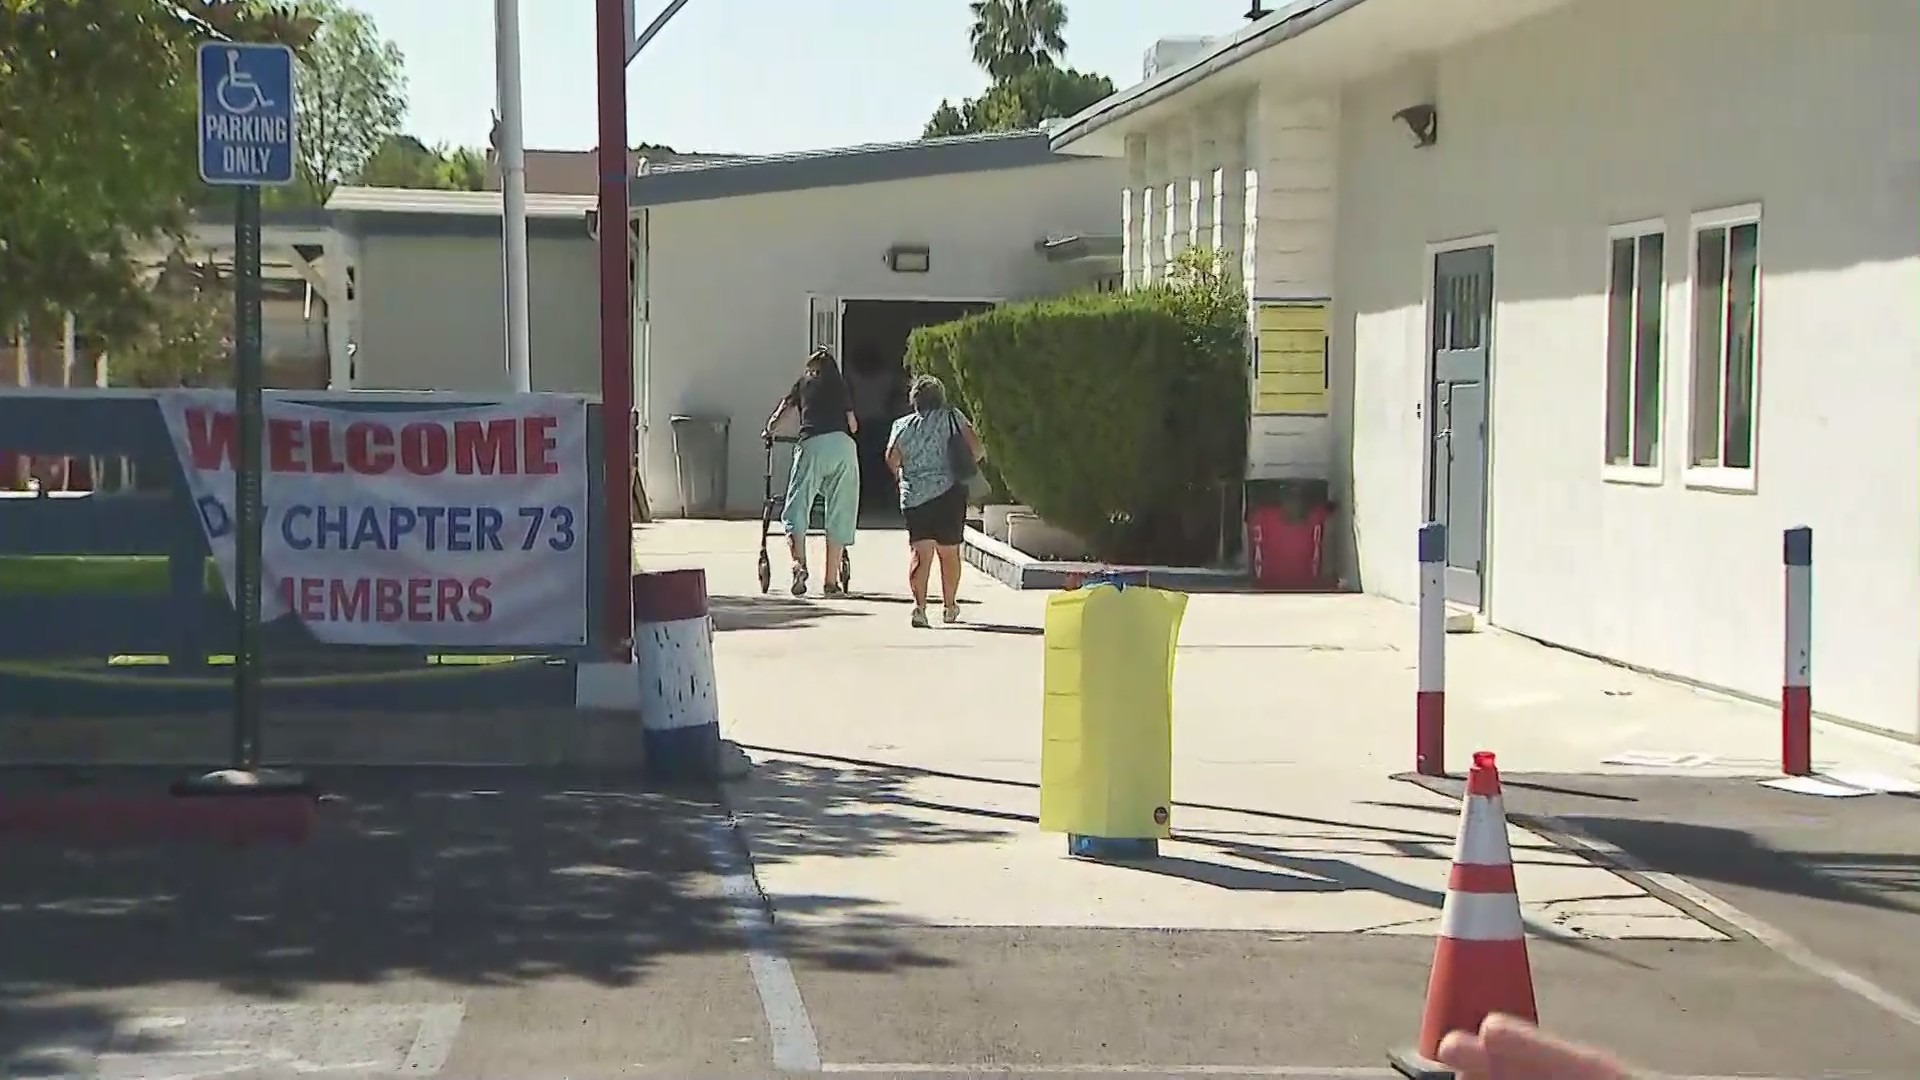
[{"x": 442, "y": 527}]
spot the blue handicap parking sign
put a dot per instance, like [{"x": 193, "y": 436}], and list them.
[{"x": 246, "y": 113}]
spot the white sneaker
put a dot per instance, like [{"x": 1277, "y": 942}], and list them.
[
  {"x": 950, "y": 615},
  {"x": 919, "y": 618}
]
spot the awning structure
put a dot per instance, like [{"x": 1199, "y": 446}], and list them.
[
  {"x": 293, "y": 245},
  {"x": 1099, "y": 252}
]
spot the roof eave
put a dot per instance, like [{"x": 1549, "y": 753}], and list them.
[
  {"x": 1100, "y": 130},
  {"x": 847, "y": 168}
]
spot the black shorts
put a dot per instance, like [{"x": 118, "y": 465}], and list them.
[{"x": 941, "y": 519}]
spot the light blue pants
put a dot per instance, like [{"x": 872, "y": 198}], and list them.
[{"x": 825, "y": 465}]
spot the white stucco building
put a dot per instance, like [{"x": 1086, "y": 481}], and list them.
[
  {"x": 424, "y": 303},
  {"x": 748, "y": 262},
  {"x": 741, "y": 264},
  {"x": 1617, "y": 289}
]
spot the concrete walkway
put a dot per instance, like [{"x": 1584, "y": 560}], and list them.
[{"x": 897, "y": 768}]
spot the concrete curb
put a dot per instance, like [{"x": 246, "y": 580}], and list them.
[
  {"x": 1017, "y": 570},
  {"x": 551, "y": 736},
  {"x": 1571, "y": 839}
]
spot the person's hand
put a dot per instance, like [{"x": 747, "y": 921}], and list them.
[{"x": 1507, "y": 1048}]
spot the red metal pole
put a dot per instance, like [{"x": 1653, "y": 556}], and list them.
[{"x": 616, "y": 326}]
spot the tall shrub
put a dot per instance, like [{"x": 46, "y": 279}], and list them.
[{"x": 1117, "y": 417}]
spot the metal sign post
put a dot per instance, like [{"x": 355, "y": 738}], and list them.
[
  {"x": 247, "y": 480},
  {"x": 246, "y": 129}
]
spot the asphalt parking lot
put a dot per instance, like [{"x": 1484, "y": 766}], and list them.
[
  {"x": 478, "y": 924},
  {"x": 1841, "y": 876}
]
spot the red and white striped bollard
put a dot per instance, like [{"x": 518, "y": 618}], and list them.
[
  {"x": 1430, "y": 695},
  {"x": 1796, "y": 689}
]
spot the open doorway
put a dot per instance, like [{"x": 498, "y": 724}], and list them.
[{"x": 873, "y": 336}]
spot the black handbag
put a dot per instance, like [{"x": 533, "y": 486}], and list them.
[{"x": 960, "y": 459}]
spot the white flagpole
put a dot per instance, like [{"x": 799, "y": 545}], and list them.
[{"x": 513, "y": 191}]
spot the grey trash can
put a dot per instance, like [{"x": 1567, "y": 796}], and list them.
[{"x": 700, "y": 463}]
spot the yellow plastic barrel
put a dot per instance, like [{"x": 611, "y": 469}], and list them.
[{"x": 1106, "y": 754}]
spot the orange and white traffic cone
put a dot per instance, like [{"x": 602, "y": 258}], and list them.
[{"x": 1480, "y": 962}]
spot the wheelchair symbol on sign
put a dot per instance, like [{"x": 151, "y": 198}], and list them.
[{"x": 237, "y": 92}]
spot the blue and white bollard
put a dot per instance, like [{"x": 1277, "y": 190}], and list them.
[{"x": 673, "y": 649}]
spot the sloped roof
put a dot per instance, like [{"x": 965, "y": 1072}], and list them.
[
  {"x": 695, "y": 179},
  {"x": 378, "y": 200},
  {"x": 1289, "y": 21},
  {"x": 692, "y": 181}
]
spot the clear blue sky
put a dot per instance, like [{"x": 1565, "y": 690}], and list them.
[{"x": 745, "y": 75}]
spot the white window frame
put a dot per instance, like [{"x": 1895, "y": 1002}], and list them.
[
  {"x": 1654, "y": 474},
  {"x": 1723, "y": 478}
]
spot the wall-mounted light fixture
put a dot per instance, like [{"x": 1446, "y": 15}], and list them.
[
  {"x": 909, "y": 258},
  {"x": 1423, "y": 122}
]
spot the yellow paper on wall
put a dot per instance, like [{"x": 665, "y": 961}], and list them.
[
  {"x": 1106, "y": 755},
  {"x": 1290, "y": 368}
]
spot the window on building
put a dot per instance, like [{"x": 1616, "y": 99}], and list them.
[
  {"x": 1726, "y": 350},
  {"x": 1636, "y": 305}
]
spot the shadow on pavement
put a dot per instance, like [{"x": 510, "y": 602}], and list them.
[
  {"x": 1736, "y": 857},
  {"x": 896, "y": 599},
  {"x": 807, "y": 808},
  {"x": 999, "y": 628},
  {"x": 904, "y": 774},
  {"x": 805, "y": 805},
  {"x": 471, "y": 877},
  {"x": 1863, "y": 852},
  {"x": 772, "y": 612},
  {"x": 779, "y": 611},
  {"x": 1558, "y": 789},
  {"x": 41, "y": 1040}
]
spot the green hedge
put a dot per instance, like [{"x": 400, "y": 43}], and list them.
[{"x": 1115, "y": 416}]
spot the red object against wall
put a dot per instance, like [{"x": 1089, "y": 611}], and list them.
[
  {"x": 54, "y": 473},
  {"x": 1286, "y": 554}
]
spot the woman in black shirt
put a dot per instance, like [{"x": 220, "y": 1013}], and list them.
[{"x": 826, "y": 463}]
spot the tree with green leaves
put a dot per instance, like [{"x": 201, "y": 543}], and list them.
[
  {"x": 405, "y": 162},
  {"x": 1021, "y": 102},
  {"x": 187, "y": 337},
  {"x": 462, "y": 168},
  {"x": 351, "y": 85},
  {"x": 1019, "y": 44},
  {"x": 96, "y": 143},
  {"x": 1011, "y": 37}
]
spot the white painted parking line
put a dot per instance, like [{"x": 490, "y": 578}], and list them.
[
  {"x": 199, "y": 1042},
  {"x": 1291, "y": 1072},
  {"x": 1001, "y": 1069},
  {"x": 433, "y": 1043},
  {"x": 789, "y": 1029}
]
